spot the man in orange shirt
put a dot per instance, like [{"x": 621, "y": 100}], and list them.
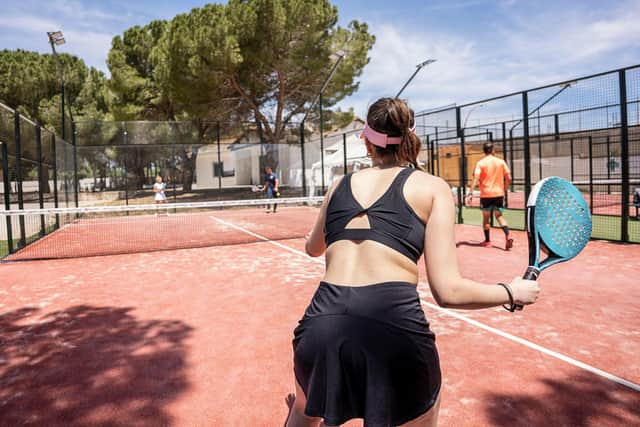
[{"x": 493, "y": 176}]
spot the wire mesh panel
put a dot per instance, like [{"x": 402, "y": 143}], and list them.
[
  {"x": 573, "y": 129},
  {"x": 5, "y": 224},
  {"x": 65, "y": 173},
  {"x": 575, "y": 134},
  {"x": 633, "y": 121},
  {"x": 498, "y": 122}
]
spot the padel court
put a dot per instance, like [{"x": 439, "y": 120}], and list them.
[{"x": 202, "y": 336}]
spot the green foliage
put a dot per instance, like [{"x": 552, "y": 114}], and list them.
[
  {"x": 136, "y": 93},
  {"x": 263, "y": 60},
  {"x": 31, "y": 83}
]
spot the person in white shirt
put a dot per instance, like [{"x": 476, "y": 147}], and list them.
[{"x": 158, "y": 189}]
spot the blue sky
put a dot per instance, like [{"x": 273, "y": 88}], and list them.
[{"x": 483, "y": 47}]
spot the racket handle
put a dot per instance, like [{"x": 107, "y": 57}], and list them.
[{"x": 532, "y": 273}]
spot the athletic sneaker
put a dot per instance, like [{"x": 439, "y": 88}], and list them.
[
  {"x": 509, "y": 243},
  {"x": 485, "y": 244}
]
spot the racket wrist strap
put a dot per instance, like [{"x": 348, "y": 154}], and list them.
[{"x": 512, "y": 305}]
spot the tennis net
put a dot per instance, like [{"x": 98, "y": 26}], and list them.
[{"x": 94, "y": 231}]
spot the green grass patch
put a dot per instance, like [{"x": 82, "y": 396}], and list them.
[{"x": 604, "y": 226}]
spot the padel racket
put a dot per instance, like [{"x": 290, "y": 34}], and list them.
[{"x": 558, "y": 224}]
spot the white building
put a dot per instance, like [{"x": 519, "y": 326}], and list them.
[{"x": 239, "y": 163}]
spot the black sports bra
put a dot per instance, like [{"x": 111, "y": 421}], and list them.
[{"x": 392, "y": 221}]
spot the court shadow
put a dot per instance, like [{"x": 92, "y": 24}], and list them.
[
  {"x": 89, "y": 365},
  {"x": 478, "y": 245},
  {"x": 580, "y": 400}
]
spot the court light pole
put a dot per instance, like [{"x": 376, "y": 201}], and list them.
[
  {"x": 464, "y": 125},
  {"x": 564, "y": 87},
  {"x": 57, "y": 39},
  {"x": 419, "y": 67}
]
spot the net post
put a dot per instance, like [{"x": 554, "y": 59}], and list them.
[
  {"x": 504, "y": 157},
  {"x": 40, "y": 177},
  {"x": 55, "y": 177},
  {"x": 221, "y": 169},
  {"x": 302, "y": 163},
  {"x": 7, "y": 196},
  {"x": 527, "y": 148},
  {"x": 590, "y": 142},
  {"x": 126, "y": 178},
  {"x": 463, "y": 171},
  {"x": 19, "y": 177},
  {"x": 624, "y": 155},
  {"x": 556, "y": 126},
  {"x": 344, "y": 152},
  {"x": 76, "y": 182}
]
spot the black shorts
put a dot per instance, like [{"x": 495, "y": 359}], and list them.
[
  {"x": 366, "y": 352},
  {"x": 490, "y": 203}
]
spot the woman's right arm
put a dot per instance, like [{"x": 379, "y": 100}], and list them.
[{"x": 448, "y": 287}]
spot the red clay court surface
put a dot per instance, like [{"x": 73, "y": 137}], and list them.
[{"x": 202, "y": 337}]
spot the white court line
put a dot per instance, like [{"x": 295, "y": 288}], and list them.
[{"x": 522, "y": 341}]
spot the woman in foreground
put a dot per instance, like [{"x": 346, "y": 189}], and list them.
[{"x": 364, "y": 348}]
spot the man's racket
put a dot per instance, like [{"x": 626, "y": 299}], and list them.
[{"x": 558, "y": 223}]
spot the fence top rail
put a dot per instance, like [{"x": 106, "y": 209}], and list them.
[
  {"x": 519, "y": 92},
  {"x": 13, "y": 111}
]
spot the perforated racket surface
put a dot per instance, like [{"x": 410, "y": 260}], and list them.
[{"x": 558, "y": 223}]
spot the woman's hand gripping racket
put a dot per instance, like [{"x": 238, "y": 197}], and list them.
[{"x": 558, "y": 224}]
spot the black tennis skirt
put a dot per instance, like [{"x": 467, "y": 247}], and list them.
[{"x": 366, "y": 352}]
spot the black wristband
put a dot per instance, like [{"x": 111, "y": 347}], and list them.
[{"x": 512, "y": 306}]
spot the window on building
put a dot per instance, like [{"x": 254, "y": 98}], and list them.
[{"x": 218, "y": 170}]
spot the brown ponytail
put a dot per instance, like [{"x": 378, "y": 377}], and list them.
[{"x": 392, "y": 116}]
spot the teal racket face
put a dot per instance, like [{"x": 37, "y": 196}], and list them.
[{"x": 562, "y": 218}]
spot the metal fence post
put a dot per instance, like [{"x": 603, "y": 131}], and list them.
[
  {"x": 556, "y": 126},
  {"x": 126, "y": 178},
  {"x": 608, "y": 163},
  {"x": 220, "y": 168},
  {"x": 55, "y": 177},
  {"x": 76, "y": 182},
  {"x": 321, "y": 145},
  {"x": 513, "y": 170},
  {"x": 344, "y": 152},
  {"x": 7, "y": 190},
  {"x": 571, "y": 158},
  {"x": 302, "y": 163},
  {"x": 624, "y": 155},
  {"x": 172, "y": 163},
  {"x": 463, "y": 167},
  {"x": 437, "y": 143},
  {"x": 504, "y": 157},
  {"x": 527, "y": 148},
  {"x": 19, "y": 177},
  {"x": 40, "y": 176},
  {"x": 590, "y": 142}
]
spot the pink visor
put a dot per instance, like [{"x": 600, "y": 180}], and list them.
[{"x": 378, "y": 138}]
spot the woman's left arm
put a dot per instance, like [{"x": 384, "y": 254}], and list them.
[{"x": 316, "y": 245}]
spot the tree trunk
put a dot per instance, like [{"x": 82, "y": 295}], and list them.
[{"x": 44, "y": 181}]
